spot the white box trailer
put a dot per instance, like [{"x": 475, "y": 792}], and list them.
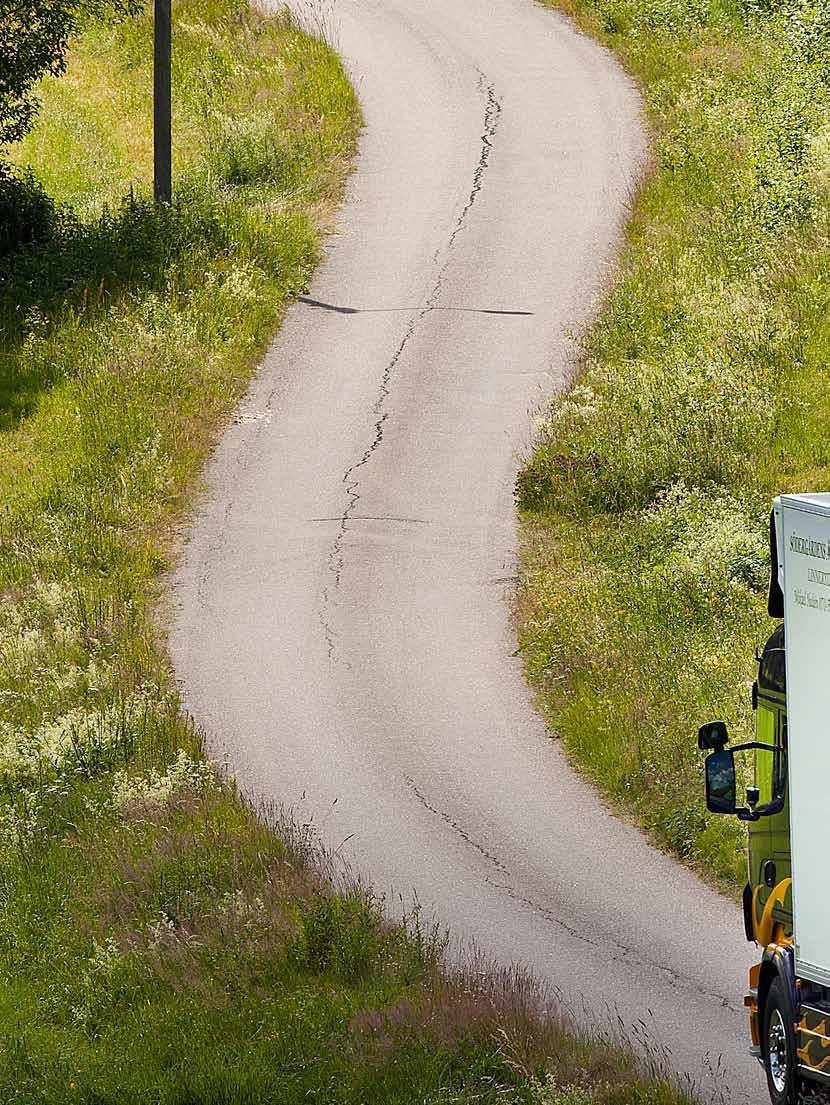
[
  {"x": 786, "y": 806},
  {"x": 803, "y": 538}
]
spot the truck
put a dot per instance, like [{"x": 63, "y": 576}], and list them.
[{"x": 779, "y": 784}]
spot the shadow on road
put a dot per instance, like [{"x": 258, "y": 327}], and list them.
[{"x": 387, "y": 310}]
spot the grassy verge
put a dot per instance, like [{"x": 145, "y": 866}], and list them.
[
  {"x": 158, "y": 943},
  {"x": 704, "y": 392}
]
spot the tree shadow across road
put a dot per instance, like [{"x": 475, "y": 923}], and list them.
[{"x": 340, "y": 310}]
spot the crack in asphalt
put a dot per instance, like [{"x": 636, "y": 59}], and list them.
[
  {"x": 456, "y": 828},
  {"x": 614, "y": 949},
  {"x": 492, "y": 111},
  {"x": 376, "y": 518},
  {"x": 611, "y": 947}
]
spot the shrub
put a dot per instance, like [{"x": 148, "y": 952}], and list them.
[{"x": 27, "y": 214}]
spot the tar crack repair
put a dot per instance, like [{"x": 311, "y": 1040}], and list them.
[{"x": 492, "y": 112}]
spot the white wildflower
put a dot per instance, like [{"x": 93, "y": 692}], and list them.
[
  {"x": 18, "y": 828},
  {"x": 105, "y": 956},
  {"x": 235, "y": 904},
  {"x": 158, "y": 930},
  {"x": 154, "y": 788}
]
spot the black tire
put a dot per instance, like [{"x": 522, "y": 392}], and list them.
[{"x": 778, "y": 1044}]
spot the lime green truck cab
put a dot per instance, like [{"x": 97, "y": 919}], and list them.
[
  {"x": 768, "y": 893},
  {"x": 785, "y": 803}
]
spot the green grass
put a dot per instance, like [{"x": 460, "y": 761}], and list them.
[
  {"x": 159, "y": 943},
  {"x": 703, "y": 393}
]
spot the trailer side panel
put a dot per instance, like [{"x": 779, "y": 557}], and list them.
[{"x": 805, "y": 539}]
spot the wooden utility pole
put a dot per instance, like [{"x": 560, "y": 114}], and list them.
[{"x": 162, "y": 118}]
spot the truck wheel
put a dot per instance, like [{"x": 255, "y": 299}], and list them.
[{"x": 778, "y": 1042}]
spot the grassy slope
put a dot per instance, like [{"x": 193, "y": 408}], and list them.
[
  {"x": 157, "y": 943},
  {"x": 704, "y": 392}
]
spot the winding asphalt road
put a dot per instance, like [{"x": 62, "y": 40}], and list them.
[{"x": 342, "y": 622}]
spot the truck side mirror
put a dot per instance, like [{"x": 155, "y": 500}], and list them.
[
  {"x": 712, "y": 735},
  {"x": 720, "y": 781}
]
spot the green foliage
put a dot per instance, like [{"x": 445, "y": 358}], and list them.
[
  {"x": 34, "y": 36},
  {"x": 703, "y": 395},
  {"x": 339, "y": 934},
  {"x": 27, "y": 213},
  {"x": 159, "y": 944}
]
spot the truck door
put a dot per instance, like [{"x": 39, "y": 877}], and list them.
[
  {"x": 760, "y": 836},
  {"x": 769, "y": 838},
  {"x": 780, "y": 829}
]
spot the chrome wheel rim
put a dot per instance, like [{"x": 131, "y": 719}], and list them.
[{"x": 777, "y": 1051}]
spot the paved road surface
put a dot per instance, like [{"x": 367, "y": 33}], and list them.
[{"x": 342, "y": 623}]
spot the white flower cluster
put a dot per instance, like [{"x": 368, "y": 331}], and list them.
[
  {"x": 707, "y": 535},
  {"x": 18, "y": 828},
  {"x": 64, "y": 739},
  {"x": 158, "y": 930},
  {"x": 235, "y": 905},
  {"x": 546, "y": 1091},
  {"x": 38, "y": 621},
  {"x": 154, "y": 788},
  {"x": 238, "y": 287},
  {"x": 578, "y": 404},
  {"x": 42, "y": 646},
  {"x": 105, "y": 956}
]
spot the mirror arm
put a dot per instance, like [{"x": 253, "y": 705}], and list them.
[
  {"x": 756, "y": 744},
  {"x": 769, "y": 808}
]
